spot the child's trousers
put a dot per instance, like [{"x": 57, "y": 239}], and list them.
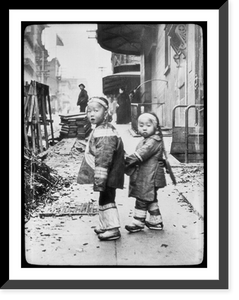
[
  {"x": 108, "y": 212},
  {"x": 141, "y": 209}
]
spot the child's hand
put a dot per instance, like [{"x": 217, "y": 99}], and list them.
[
  {"x": 131, "y": 164},
  {"x": 130, "y": 170},
  {"x": 125, "y": 155}
]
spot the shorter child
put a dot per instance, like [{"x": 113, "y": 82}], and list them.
[
  {"x": 146, "y": 170},
  {"x": 103, "y": 165}
]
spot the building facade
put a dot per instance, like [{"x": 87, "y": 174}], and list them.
[
  {"x": 176, "y": 56},
  {"x": 53, "y": 75},
  {"x": 126, "y": 73},
  {"x": 35, "y": 55},
  {"x": 171, "y": 75}
]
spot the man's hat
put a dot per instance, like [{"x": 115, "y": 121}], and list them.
[{"x": 82, "y": 85}]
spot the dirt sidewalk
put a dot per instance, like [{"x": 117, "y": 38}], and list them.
[{"x": 69, "y": 239}]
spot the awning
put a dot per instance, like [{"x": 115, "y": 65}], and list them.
[
  {"x": 112, "y": 83},
  {"x": 120, "y": 38}
]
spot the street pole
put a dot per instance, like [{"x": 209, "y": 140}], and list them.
[
  {"x": 42, "y": 71},
  {"x": 101, "y": 69}
]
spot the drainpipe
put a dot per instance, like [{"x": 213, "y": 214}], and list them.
[
  {"x": 186, "y": 71},
  {"x": 42, "y": 68},
  {"x": 186, "y": 81}
]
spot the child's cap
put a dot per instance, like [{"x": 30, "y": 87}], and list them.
[
  {"x": 153, "y": 118},
  {"x": 104, "y": 102}
]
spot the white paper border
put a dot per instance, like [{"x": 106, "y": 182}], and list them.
[{"x": 15, "y": 18}]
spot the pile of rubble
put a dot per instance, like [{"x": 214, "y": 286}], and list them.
[
  {"x": 39, "y": 181},
  {"x": 50, "y": 172}
]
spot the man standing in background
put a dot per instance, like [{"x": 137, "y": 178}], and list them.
[
  {"x": 123, "y": 107},
  {"x": 82, "y": 98}
]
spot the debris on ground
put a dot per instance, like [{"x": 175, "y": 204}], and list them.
[
  {"x": 39, "y": 179},
  {"x": 190, "y": 187},
  {"x": 67, "y": 209},
  {"x": 47, "y": 174},
  {"x": 66, "y": 156},
  {"x": 189, "y": 173}
]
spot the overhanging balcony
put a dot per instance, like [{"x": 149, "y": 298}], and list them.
[
  {"x": 112, "y": 83},
  {"x": 121, "y": 38}
]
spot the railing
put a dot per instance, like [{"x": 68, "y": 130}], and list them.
[
  {"x": 187, "y": 133},
  {"x": 174, "y": 112}
]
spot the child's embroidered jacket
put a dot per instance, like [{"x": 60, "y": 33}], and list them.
[
  {"x": 103, "y": 164},
  {"x": 146, "y": 168}
]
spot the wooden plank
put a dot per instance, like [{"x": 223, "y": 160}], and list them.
[
  {"x": 26, "y": 103},
  {"x": 25, "y": 136},
  {"x": 31, "y": 109},
  {"x": 49, "y": 105},
  {"x": 30, "y": 113},
  {"x": 25, "y": 121},
  {"x": 80, "y": 115},
  {"x": 44, "y": 119},
  {"x": 38, "y": 123},
  {"x": 33, "y": 138}
]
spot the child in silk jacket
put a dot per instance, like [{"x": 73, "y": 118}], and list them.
[
  {"x": 146, "y": 170},
  {"x": 103, "y": 165}
]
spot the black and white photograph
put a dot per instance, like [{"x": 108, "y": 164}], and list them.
[
  {"x": 118, "y": 151},
  {"x": 114, "y": 137},
  {"x": 118, "y": 171}
]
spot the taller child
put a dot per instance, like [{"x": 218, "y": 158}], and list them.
[{"x": 103, "y": 165}]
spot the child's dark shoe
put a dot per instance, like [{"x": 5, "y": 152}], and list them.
[
  {"x": 158, "y": 226},
  {"x": 98, "y": 230},
  {"x": 134, "y": 228},
  {"x": 109, "y": 235}
]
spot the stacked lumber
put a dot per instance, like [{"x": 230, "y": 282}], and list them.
[{"x": 74, "y": 125}]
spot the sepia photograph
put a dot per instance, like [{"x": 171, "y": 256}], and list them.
[{"x": 114, "y": 137}]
